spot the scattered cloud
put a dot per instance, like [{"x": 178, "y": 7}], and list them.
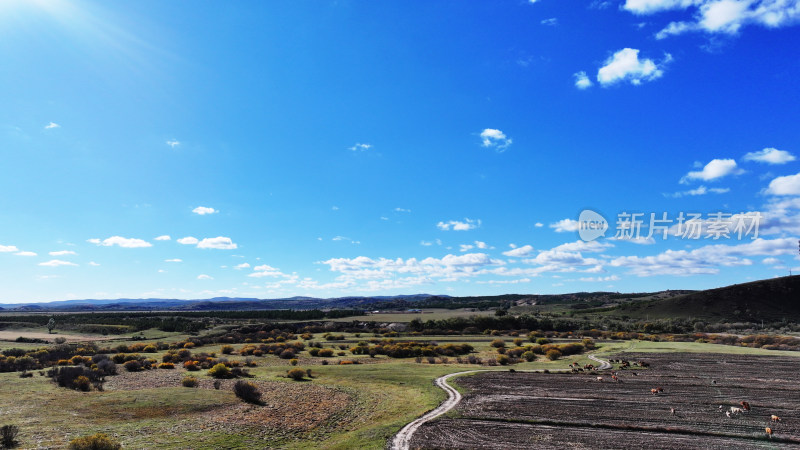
[
  {"x": 770, "y": 156},
  {"x": 203, "y": 276},
  {"x": 702, "y": 190},
  {"x": 173, "y": 143},
  {"x": 582, "y": 80},
  {"x": 57, "y": 263},
  {"x": 188, "y": 240},
  {"x": 62, "y": 253},
  {"x": 553, "y": 21},
  {"x": 121, "y": 242},
  {"x": 219, "y": 243},
  {"x": 93, "y": 264},
  {"x": 565, "y": 226},
  {"x": 404, "y": 210},
  {"x": 203, "y": 210},
  {"x": 176, "y": 260},
  {"x": 625, "y": 65},
  {"x": 599, "y": 279},
  {"x": 242, "y": 266},
  {"x": 518, "y": 252},
  {"x": 720, "y": 16},
  {"x": 466, "y": 247},
  {"x": 51, "y": 125},
  {"x": 163, "y": 238},
  {"x": 496, "y": 139},
  {"x": 538, "y": 225},
  {"x": 8, "y": 248},
  {"x": 25, "y": 254},
  {"x": 429, "y": 243},
  {"x": 457, "y": 225},
  {"x": 788, "y": 185},
  {"x": 360, "y": 147},
  {"x": 714, "y": 170}
]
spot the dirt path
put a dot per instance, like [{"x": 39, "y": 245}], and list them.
[{"x": 402, "y": 439}]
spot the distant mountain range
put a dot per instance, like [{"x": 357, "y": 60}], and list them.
[{"x": 211, "y": 304}]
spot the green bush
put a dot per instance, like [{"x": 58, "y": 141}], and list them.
[
  {"x": 553, "y": 354},
  {"x": 97, "y": 441},
  {"x": 220, "y": 371},
  {"x": 498, "y": 343}
]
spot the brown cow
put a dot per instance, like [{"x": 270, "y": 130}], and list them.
[
  {"x": 745, "y": 405},
  {"x": 774, "y": 418},
  {"x": 769, "y": 431},
  {"x": 654, "y": 391}
]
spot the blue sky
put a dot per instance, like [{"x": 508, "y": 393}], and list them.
[{"x": 273, "y": 149}]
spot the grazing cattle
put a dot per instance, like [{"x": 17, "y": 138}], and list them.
[
  {"x": 768, "y": 430},
  {"x": 745, "y": 406},
  {"x": 660, "y": 389},
  {"x": 720, "y": 408},
  {"x": 728, "y": 413},
  {"x": 774, "y": 418},
  {"x": 614, "y": 377},
  {"x": 735, "y": 410},
  {"x": 600, "y": 379},
  {"x": 713, "y": 381},
  {"x": 672, "y": 411},
  {"x": 635, "y": 374},
  {"x": 654, "y": 391}
]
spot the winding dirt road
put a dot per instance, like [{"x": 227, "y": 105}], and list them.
[{"x": 402, "y": 440}]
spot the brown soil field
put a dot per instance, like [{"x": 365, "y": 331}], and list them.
[{"x": 557, "y": 410}]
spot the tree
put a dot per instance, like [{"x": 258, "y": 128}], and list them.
[{"x": 50, "y": 325}]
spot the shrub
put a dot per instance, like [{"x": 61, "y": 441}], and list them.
[
  {"x": 8, "y": 436},
  {"x": 191, "y": 366},
  {"x": 133, "y": 366},
  {"x": 553, "y": 354},
  {"x": 529, "y": 356},
  {"x": 189, "y": 382},
  {"x": 75, "y": 377},
  {"x": 498, "y": 343},
  {"x": 542, "y": 341},
  {"x": 293, "y": 362},
  {"x": 518, "y": 342},
  {"x": 326, "y": 352},
  {"x": 166, "y": 366},
  {"x": 220, "y": 371},
  {"x": 287, "y": 354},
  {"x": 60, "y": 340},
  {"x": 82, "y": 383},
  {"x": 227, "y": 349},
  {"x": 247, "y": 391},
  {"x": 150, "y": 349},
  {"x": 217, "y": 384},
  {"x": 97, "y": 441},
  {"x": 503, "y": 360},
  {"x": 296, "y": 374}
]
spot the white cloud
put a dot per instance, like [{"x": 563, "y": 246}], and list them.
[
  {"x": 456, "y": 225},
  {"x": 770, "y": 156},
  {"x": 204, "y": 277},
  {"x": 788, "y": 185},
  {"x": 625, "y": 65},
  {"x": 704, "y": 260},
  {"x": 173, "y": 143},
  {"x": 496, "y": 139},
  {"x": 345, "y": 238},
  {"x": 538, "y": 225},
  {"x": 163, "y": 238},
  {"x": 203, "y": 210},
  {"x": 8, "y": 249},
  {"x": 121, "y": 241},
  {"x": 188, "y": 240},
  {"x": 599, "y": 279},
  {"x": 525, "y": 250},
  {"x": 565, "y": 226},
  {"x": 402, "y": 210},
  {"x": 429, "y": 243},
  {"x": 721, "y": 16},
  {"x": 25, "y": 254},
  {"x": 701, "y": 190},
  {"x": 553, "y": 21},
  {"x": 51, "y": 125},
  {"x": 176, "y": 260},
  {"x": 583, "y": 246},
  {"x": 242, "y": 266},
  {"x": 466, "y": 247},
  {"x": 582, "y": 80},
  {"x": 771, "y": 261},
  {"x": 219, "y": 242},
  {"x": 93, "y": 264},
  {"x": 57, "y": 263},
  {"x": 714, "y": 170},
  {"x": 360, "y": 147},
  {"x": 62, "y": 253}
]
